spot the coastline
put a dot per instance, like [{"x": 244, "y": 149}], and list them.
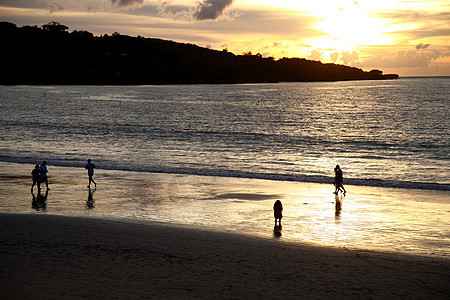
[
  {"x": 171, "y": 236},
  {"x": 48, "y": 256},
  {"x": 369, "y": 218}
]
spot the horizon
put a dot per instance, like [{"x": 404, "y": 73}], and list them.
[{"x": 408, "y": 38}]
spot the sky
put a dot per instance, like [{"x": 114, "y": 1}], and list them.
[{"x": 406, "y": 37}]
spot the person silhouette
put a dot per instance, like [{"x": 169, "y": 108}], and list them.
[
  {"x": 278, "y": 213},
  {"x": 43, "y": 175},
  {"x": 35, "y": 176},
  {"x": 338, "y": 180},
  {"x": 90, "y": 167}
]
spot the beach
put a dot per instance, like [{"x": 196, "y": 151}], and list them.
[
  {"x": 154, "y": 236},
  {"x": 187, "y": 176},
  {"x": 410, "y": 221},
  {"x": 54, "y": 257}
]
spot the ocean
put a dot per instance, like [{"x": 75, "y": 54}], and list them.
[
  {"x": 217, "y": 156},
  {"x": 382, "y": 133}
]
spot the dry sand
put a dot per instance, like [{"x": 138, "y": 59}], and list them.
[{"x": 57, "y": 257}]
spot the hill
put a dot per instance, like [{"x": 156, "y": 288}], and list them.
[{"x": 52, "y": 55}]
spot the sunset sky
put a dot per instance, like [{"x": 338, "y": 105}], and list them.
[{"x": 407, "y": 37}]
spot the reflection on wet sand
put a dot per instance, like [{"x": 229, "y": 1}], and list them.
[
  {"x": 277, "y": 231},
  {"x": 90, "y": 199},
  {"x": 404, "y": 220},
  {"x": 39, "y": 202},
  {"x": 338, "y": 208}
]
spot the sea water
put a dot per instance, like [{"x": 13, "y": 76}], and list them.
[
  {"x": 272, "y": 137},
  {"x": 384, "y": 133}
]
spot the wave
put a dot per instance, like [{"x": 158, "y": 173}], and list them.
[{"x": 375, "y": 182}]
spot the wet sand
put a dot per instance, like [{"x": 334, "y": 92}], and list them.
[
  {"x": 380, "y": 219},
  {"x": 167, "y": 236},
  {"x": 54, "y": 257}
]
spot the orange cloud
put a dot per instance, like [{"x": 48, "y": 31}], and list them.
[{"x": 403, "y": 59}]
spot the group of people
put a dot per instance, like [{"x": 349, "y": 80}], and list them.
[
  {"x": 39, "y": 175},
  {"x": 338, "y": 180}
]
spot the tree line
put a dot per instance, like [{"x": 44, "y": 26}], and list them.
[{"x": 50, "y": 54}]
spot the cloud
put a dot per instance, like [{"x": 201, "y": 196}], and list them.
[
  {"x": 126, "y": 3},
  {"x": 349, "y": 58},
  {"x": 414, "y": 16},
  {"x": 315, "y": 55},
  {"x": 444, "y": 32},
  {"x": 92, "y": 5},
  {"x": 174, "y": 12},
  {"x": 55, "y": 6},
  {"x": 422, "y": 46},
  {"x": 271, "y": 46},
  {"x": 206, "y": 10},
  {"x": 334, "y": 57},
  {"x": 425, "y": 24},
  {"x": 211, "y": 9},
  {"x": 273, "y": 28},
  {"x": 84, "y": 5},
  {"x": 404, "y": 59}
]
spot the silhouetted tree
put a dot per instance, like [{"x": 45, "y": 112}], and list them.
[
  {"x": 7, "y": 27},
  {"x": 55, "y": 27},
  {"x": 82, "y": 34},
  {"x": 376, "y": 72}
]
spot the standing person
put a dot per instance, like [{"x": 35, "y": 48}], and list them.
[
  {"x": 35, "y": 175},
  {"x": 90, "y": 167},
  {"x": 338, "y": 180},
  {"x": 278, "y": 213},
  {"x": 43, "y": 175}
]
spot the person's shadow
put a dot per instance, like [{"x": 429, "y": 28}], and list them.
[
  {"x": 90, "y": 199},
  {"x": 39, "y": 202}
]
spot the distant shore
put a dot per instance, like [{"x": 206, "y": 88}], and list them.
[
  {"x": 80, "y": 58},
  {"x": 54, "y": 257}
]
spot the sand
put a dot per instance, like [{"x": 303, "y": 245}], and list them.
[
  {"x": 60, "y": 257},
  {"x": 410, "y": 221},
  {"x": 161, "y": 236}
]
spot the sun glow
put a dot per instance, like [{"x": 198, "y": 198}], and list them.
[{"x": 346, "y": 26}]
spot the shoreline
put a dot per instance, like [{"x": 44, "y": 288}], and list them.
[
  {"x": 300, "y": 178},
  {"x": 49, "y": 256},
  {"x": 368, "y": 219}
]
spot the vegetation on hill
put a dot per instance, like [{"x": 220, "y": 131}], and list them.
[{"x": 52, "y": 55}]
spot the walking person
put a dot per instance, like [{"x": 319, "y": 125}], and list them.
[
  {"x": 43, "y": 175},
  {"x": 90, "y": 167},
  {"x": 35, "y": 176},
  {"x": 338, "y": 180}
]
